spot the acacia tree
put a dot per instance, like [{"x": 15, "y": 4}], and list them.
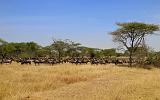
[
  {"x": 73, "y": 49},
  {"x": 132, "y": 34},
  {"x": 65, "y": 47},
  {"x": 60, "y": 46}
]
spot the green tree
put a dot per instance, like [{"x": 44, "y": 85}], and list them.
[
  {"x": 132, "y": 34},
  {"x": 109, "y": 52},
  {"x": 16, "y": 49},
  {"x": 31, "y": 48},
  {"x": 6, "y": 50},
  {"x": 45, "y": 52},
  {"x": 60, "y": 46},
  {"x": 2, "y": 42},
  {"x": 73, "y": 49}
]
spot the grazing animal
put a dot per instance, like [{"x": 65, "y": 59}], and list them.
[
  {"x": 94, "y": 61},
  {"x": 118, "y": 62},
  {"x": 36, "y": 62},
  {"x": 26, "y": 62},
  {"x": 102, "y": 61},
  {"x": 7, "y": 61},
  {"x": 0, "y": 61}
]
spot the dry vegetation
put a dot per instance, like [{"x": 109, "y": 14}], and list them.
[{"x": 82, "y": 82}]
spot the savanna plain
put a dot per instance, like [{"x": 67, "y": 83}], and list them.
[{"x": 78, "y": 82}]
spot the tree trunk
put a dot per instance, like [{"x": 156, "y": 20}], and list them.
[
  {"x": 59, "y": 56},
  {"x": 130, "y": 58}
]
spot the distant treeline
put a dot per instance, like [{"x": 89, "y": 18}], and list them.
[{"x": 59, "y": 48}]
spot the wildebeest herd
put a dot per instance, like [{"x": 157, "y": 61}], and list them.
[{"x": 73, "y": 60}]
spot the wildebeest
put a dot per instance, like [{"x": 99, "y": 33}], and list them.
[
  {"x": 118, "y": 62},
  {"x": 52, "y": 62},
  {"x": 6, "y": 61},
  {"x": 36, "y": 61},
  {"x": 25, "y": 61},
  {"x": 94, "y": 61},
  {"x": 0, "y": 61}
]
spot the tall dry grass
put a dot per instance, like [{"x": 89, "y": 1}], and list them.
[{"x": 83, "y": 82}]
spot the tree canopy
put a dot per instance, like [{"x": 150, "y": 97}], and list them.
[
  {"x": 2, "y": 41},
  {"x": 132, "y": 34}
]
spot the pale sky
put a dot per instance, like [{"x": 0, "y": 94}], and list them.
[{"x": 84, "y": 21}]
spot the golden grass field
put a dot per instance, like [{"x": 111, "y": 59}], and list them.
[{"x": 82, "y": 82}]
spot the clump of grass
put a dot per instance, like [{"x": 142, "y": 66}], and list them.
[{"x": 72, "y": 79}]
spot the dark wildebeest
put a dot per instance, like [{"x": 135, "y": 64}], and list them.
[
  {"x": 0, "y": 61},
  {"x": 25, "y": 61},
  {"x": 94, "y": 61},
  {"x": 7, "y": 61},
  {"x": 36, "y": 61},
  {"x": 118, "y": 62}
]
